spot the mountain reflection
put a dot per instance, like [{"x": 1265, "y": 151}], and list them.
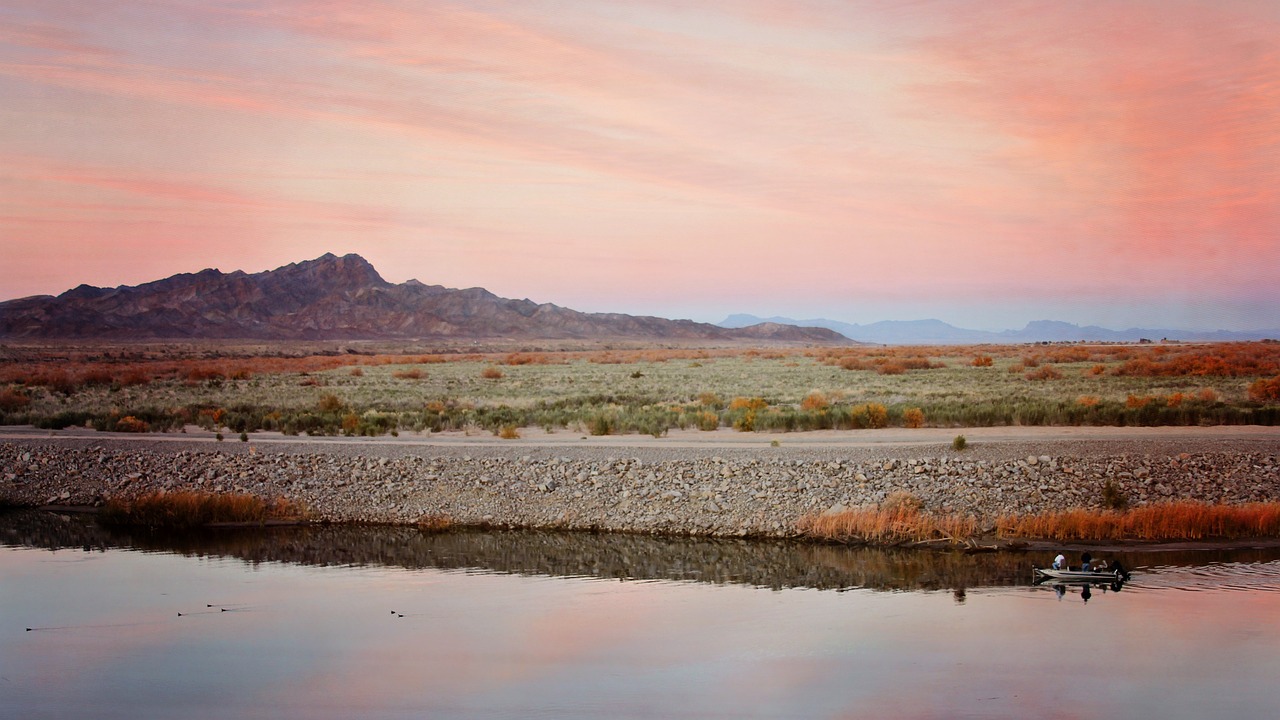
[{"x": 758, "y": 563}]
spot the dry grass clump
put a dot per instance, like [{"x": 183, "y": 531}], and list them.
[
  {"x": 509, "y": 432},
  {"x": 193, "y": 509},
  {"x": 410, "y": 374},
  {"x": 982, "y": 361},
  {"x": 491, "y": 373},
  {"x": 899, "y": 519},
  {"x": 434, "y": 523},
  {"x": 1166, "y": 521}
]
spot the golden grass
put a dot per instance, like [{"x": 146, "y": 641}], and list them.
[
  {"x": 889, "y": 524},
  {"x": 1184, "y": 520},
  {"x": 897, "y": 522},
  {"x": 193, "y": 509}
]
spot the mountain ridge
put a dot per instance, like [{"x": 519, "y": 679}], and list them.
[
  {"x": 339, "y": 298},
  {"x": 932, "y": 331}
]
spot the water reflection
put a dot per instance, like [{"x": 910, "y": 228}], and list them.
[
  {"x": 767, "y": 564},
  {"x": 324, "y": 623}
]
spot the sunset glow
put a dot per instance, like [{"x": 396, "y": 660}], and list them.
[{"x": 984, "y": 163}]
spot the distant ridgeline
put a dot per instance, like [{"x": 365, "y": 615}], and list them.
[
  {"x": 340, "y": 298},
  {"x": 936, "y": 332}
]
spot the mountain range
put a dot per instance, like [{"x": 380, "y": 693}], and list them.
[
  {"x": 936, "y": 332},
  {"x": 340, "y": 298}
]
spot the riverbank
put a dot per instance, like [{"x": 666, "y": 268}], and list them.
[{"x": 716, "y": 484}]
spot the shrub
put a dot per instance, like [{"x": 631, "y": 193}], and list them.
[
  {"x": 1097, "y": 369},
  {"x": 1137, "y": 402},
  {"x": 1264, "y": 390},
  {"x": 814, "y": 401},
  {"x": 1175, "y": 400},
  {"x": 1087, "y": 401},
  {"x": 11, "y": 400},
  {"x": 329, "y": 403},
  {"x": 869, "y": 415},
  {"x": 602, "y": 424},
  {"x": 959, "y": 443},
  {"x": 410, "y": 374},
  {"x": 913, "y": 417},
  {"x": 356, "y": 372},
  {"x": 742, "y": 403},
  {"x": 491, "y": 373},
  {"x": 891, "y": 368},
  {"x": 1113, "y": 498},
  {"x": 709, "y": 399},
  {"x": 1208, "y": 396},
  {"x": 509, "y": 432},
  {"x": 129, "y": 423},
  {"x": 707, "y": 421},
  {"x": 1047, "y": 372},
  {"x": 982, "y": 361}
]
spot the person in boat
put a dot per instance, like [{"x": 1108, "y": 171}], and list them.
[{"x": 1060, "y": 562}]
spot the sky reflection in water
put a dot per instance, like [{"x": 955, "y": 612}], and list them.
[{"x": 327, "y": 642}]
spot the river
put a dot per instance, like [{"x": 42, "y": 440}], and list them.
[{"x": 391, "y": 622}]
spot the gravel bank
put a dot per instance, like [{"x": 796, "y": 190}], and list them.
[{"x": 707, "y": 488}]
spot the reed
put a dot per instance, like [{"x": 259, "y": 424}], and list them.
[
  {"x": 897, "y": 522},
  {"x": 894, "y": 522},
  {"x": 178, "y": 510},
  {"x": 1164, "y": 522}
]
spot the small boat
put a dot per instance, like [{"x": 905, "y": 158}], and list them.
[{"x": 1099, "y": 576}]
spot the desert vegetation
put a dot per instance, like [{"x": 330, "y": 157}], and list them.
[
  {"x": 176, "y": 510},
  {"x": 650, "y": 391},
  {"x": 901, "y": 520}
]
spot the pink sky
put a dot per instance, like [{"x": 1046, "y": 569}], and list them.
[{"x": 984, "y": 163}]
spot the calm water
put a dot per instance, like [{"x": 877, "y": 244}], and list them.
[{"x": 392, "y": 623}]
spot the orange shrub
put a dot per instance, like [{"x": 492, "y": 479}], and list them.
[
  {"x": 742, "y": 403},
  {"x": 129, "y": 423},
  {"x": 707, "y": 420},
  {"x": 1134, "y": 402},
  {"x": 1047, "y": 372},
  {"x": 1207, "y": 395},
  {"x": 814, "y": 401},
  {"x": 1097, "y": 369},
  {"x": 1175, "y": 399},
  {"x": 1263, "y": 390},
  {"x": 982, "y": 361},
  {"x": 410, "y": 374},
  {"x": 491, "y": 373},
  {"x": 891, "y": 368},
  {"x": 356, "y": 372},
  {"x": 1087, "y": 400},
  {"x": 913, "y": 417}
]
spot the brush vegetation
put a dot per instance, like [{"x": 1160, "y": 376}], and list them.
[
  {"x": 142, "y": 389},
  {"x": 901, "y": 520},
  {"x": 180, "y": 510}
]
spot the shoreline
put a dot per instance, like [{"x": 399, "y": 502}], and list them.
[{"x": 719, "y": 484}]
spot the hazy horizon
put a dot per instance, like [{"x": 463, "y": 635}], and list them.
[{"x": 986, "y": 164}]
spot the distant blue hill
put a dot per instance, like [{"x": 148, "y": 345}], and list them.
[{"x": 936, "y": 332}]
